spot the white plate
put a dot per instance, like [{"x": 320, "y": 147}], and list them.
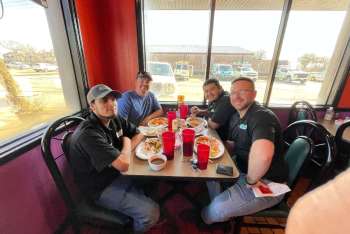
[
  {"x": 151, "y": 124},
  {"x": 219, "y": 154},
  {"x": 204, "y": 122},
  {"x": 141, "y": 154},
  {"x": 151, "y": 131}
]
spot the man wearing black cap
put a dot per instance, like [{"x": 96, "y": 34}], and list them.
[
  {"x": 100, "y": 149},
  {"x": 140, "y": 105}
]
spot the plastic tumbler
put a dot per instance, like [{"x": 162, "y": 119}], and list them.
[
  {"x": 171, "y": 116},
  {"x": 188, "y": 141},
  {"x": 203, "y": 151},
  {"x": 168, "y": 138},
  {"x": 183, "y": 111}
]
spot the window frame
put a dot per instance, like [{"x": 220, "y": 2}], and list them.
[{"x": 333, "y": 96}]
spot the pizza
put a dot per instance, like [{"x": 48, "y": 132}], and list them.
[
  {"x": 152, "y": 146},
  {"x": 212, "y": 142},
  {"x": 161, "y": 121}
]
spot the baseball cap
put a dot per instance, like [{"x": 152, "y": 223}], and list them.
[{"x": 100, "y": 91}]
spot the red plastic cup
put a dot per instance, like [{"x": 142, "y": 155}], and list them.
[
  {"x": 168, "y": 138},
  {"x": 183, "y": 111},
  {"x": 203, "y": 151},
  {"x": 171, "y": 116},
  {"x": 188, "y": 141}
]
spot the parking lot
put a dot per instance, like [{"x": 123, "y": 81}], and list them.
[{"x": 46, "y": 87}]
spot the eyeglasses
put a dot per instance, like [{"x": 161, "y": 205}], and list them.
[{"x": 241, "y": 92}]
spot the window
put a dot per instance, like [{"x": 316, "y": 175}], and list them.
[
  {"x": 176, "y": 38},
  {"x": 36, "y": 84},
  {"x": 246, "y": 39},
  {"x": 243, "y": 41},
  {"x": 308, "y": 46}
]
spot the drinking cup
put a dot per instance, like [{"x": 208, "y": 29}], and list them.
[
  {"x": 203, "y": 151},
  {"x": 168, "y": 139},
  {"x": 183, "y": 111},
  {"x": 171, "y": 116},
  {"x": 188, "y": 141}
]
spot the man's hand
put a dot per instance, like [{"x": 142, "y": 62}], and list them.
[{"x": 194, "y": 111}]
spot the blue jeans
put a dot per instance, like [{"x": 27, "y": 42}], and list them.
[
  {"x": 122, "y": 196},
  {"x": 237, "y": 200}
]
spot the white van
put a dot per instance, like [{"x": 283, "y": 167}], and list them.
[{"x": 164, "y": 83}]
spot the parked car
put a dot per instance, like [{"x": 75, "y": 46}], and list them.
[
  {"x": 316, "y": 76},
  {"x": 164, "y": 82},
  {"x": 183, "y": 70},
  {"x": 44, "y": 67},
  {"x": 18, "y": 65},
  {"x": 248, "y": 72},
  {"x": 223, "y": 72},
  {"x": 284, "y": 74}
]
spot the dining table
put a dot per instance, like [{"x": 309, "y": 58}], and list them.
[{"x": 180, "y": 170}]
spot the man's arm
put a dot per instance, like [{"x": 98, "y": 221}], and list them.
[
  {"x": 213, "y": 124},
  {"x": 135, "y": 140},
  {"x": 260, "y": 158},
  {"x": 153, "y": 115},
  {"x": 195, "y": 110},
  {"x": 123, "y": 160}
]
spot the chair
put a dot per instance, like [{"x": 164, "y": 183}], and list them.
[
  {"x": 323, "y": 156},
  {"x": 301, "y": 110},
  {"x": 296, "y": 155},
  {"x": 80, "y": 211},
  {"x": 343, "y": 148}
]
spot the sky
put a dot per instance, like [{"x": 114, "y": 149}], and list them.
[
  {"x": 307, "y": 31},
  {"x": 25, "y": 22}
]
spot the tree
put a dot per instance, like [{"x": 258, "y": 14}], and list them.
[
  {"x": 312, "y": 62},
  {"x": 22, "y": 105}
]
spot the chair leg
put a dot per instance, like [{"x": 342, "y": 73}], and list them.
[{"x": 238, "y": 224}]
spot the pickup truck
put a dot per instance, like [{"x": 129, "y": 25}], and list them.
[{"x": 290, "y": 76}]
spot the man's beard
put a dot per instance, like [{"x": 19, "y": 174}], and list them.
[{"x": 112, "y": 116}]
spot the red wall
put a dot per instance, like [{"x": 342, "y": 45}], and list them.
[
  {"x": 29, "y": 199},
  {"x": 109, "y": 35},
  {"x": 345, "y": 97}
]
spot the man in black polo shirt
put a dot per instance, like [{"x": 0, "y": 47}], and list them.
[
  {"x": 256, "y": 133},
  {"x": 219, "y": 107},
  {"x": 100, "y": 149}
]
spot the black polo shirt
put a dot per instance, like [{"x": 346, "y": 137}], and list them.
[
  {"x": 258, "y": 123},
  {"x": 93, "y": 148},
  {"x": 220, "y": 112}
]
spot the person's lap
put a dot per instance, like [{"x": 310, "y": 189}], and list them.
[
  {"x": 237, "y": 200},
  {"x": 124, "y": 197}
]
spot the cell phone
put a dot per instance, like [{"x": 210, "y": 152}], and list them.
[{"x": 224, "y": 170}]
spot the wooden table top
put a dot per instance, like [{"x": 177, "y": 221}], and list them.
[
  {"x": 330, "y": 126},
  {"x": 180, "y": 169}
]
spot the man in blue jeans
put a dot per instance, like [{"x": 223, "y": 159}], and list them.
[
  {"x": 101, "y": 149},
  {"x": 256, "y": 134}
]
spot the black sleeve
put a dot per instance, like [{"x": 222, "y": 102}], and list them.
[
  {"x": 101, "y": 154},
  {"x": 223, "y": 112},
  {"x": 262, "y": 126},
  {"x": 129, "y": 129}
]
